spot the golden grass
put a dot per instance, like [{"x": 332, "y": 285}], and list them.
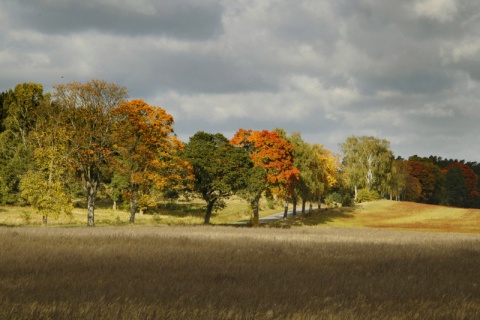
[
  {"x": 387, "y": 214},
  {"x": 237, "y": 273},
  {"x": 181, "y": 213},
  {"x": 382, "y": 214}
]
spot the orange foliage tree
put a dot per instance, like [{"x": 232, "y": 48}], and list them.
[
  {"x": 273, "y": 169},
  {"x": 430, "y": 178},
  {"x": 147, "y": 150}
]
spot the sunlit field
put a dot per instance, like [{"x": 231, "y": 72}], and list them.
[
  {"x": 387, "y": 214},
  {"x": 178, "y": 213},
  {"x": 218, "y": 272},
  {"x": 382, "y": 214}
]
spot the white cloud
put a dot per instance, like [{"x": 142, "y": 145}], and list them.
[{"x": 442, "y": 10}]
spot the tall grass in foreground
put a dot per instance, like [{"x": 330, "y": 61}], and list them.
[{"x": 237, "y": 273}]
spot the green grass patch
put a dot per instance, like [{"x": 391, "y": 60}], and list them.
[{"x": 169, "y": 213}]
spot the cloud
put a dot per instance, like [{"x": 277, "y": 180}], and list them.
[
  {"x": 442, "y": 10},
  {"x": 176, "y": 18},
  {"x": 407, "y": 71}
]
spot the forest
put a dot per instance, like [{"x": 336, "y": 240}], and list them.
[{"x": 89, "y": 141}]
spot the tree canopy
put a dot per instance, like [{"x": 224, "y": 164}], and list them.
[
  {"x": 219, "y": 169},
  {"x": 273, "y": 158},
  {"x": 89, "y": 108},
  {"x": 145, "y": 147},
  {"x": 367, "y": 161},
  {"x": 89, "y": 137}
]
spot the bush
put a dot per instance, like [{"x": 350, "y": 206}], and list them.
[
  {"x": 26, "y": 216},
  {"x": 365, "y": 195},
  {"x": 347, "y": 201},
  {"x": 333, "y": 199}
]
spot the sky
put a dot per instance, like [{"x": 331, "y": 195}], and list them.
[{"x": 405, "y": 71}]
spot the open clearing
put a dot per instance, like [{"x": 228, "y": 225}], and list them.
[
  {"x": 217, "y": 272},
  {"x": 177, "y": 213},
  {"x": 397, "y": 215}
]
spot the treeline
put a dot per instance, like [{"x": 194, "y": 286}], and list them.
[
  {"x": 369, "y": 165},
  {"x": 88, "y": 140}
]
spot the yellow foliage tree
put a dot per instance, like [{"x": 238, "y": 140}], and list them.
[
  {"x": 89, "y": 107},
  {"x": 43, "y": 186},
  {"x": 327, "y": 176}
]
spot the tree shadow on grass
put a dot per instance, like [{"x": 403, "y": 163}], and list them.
[
  {"x": 178, "y": 209},
  {"x": 317, "y": 217}
]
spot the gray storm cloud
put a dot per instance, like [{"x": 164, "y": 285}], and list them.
[{"x": 407, "y": 71}]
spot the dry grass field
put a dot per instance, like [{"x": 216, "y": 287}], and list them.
[{"x": 198, "y": 272}]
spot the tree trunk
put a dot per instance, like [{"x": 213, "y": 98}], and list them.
[
  {"x": 285, "y": 213},
  {"x": 44, "y": 220},
  {"x": 310, "y": 209},
  {"x": 134, "y": 202},
  {"x": 114, "y": 205},
  {"x": 319, "y": 203},
  {"x": 304, "y": 202},
  {"x": 208, "y": 213},
  {"x": 91, "y": 197},
  {"x": 254, "y": 203},
  {"x": 356, "y": 192},
  {"x": 294, "y": 204}
]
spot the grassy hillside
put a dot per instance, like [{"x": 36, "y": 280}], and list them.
[
  {"x": 237, "y": 273},
  {"x": 394, "y": 215}
]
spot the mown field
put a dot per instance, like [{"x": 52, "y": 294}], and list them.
[{"x": 201, "y": 272}]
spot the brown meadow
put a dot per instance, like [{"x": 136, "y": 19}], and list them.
[{"x": 202, "y": 272}]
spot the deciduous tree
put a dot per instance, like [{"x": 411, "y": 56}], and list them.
[
  {"x": 310, "y": 162},
  {"x": 89, "y": 107},
  {"x": 146, "y": 148},
  {"x": 272, "y": 157},
  {"x": 219, "y": 169},
  {"x": 19, "y": 112},
  {"x": 430, "y": 178},
  {"x": 328, "y": 175},
  {"x": 44, "y": 185},
  {"x": 367, "y": 161},
  {"x": 396, "y": 180}
]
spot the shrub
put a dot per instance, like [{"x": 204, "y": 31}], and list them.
[
  {"x": 26, "y": 216},
  {"x": 334, "y": 199},
  {"x": 365, "y": 195},
  {"x": 347, "y": 201}
]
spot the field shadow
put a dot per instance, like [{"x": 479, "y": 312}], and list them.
[
  {"x": 317, "y": 217},
  {"x": 178, "y": 209}
]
